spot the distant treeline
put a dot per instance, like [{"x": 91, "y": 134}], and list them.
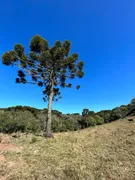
[{"x": 28, "y": 119}]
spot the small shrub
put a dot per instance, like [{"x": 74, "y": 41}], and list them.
[
  {"x": 91, "y": 121},
  {"x": 33, "y": 139},
  {"x": 99, "y": 120}
]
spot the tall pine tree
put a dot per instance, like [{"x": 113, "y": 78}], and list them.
[{"x": 48, "y": 67}]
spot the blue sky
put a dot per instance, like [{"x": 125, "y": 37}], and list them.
[{"x": 101, "y": 31}]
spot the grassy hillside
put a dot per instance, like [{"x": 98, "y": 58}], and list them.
[{"x": 105, "y": 152}]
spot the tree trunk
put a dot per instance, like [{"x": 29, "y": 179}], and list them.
[{"x": 49, "y": 115}]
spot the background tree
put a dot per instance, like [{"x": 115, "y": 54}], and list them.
[
  {"x": 83, "y": 121},
  {"x": 131, "y": 108},
  {"x": 48, "y": 67},
  {"x": 132, "y": 102},
  {"x": 85, "y": 112}
]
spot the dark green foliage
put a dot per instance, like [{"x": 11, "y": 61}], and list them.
[
  {"x": 47, "y": 66},
  {"x": 8, "y": 58},
  {"x": 16, "y": 120},
  {"x": 106, "y": 115},
  {"x": 19, "y": 50},
  {"x": 114, "y": 114},
  {"x": 99, "y": 120},
  {"x": 132, "y": 101},
  {"x": 91, "y": 113},
  {"x": 89, "y": 118},
  {"x": 130, "y": 109},
  {"x": 38, "y": 44},
  {"x": 27, "y": 119},
  {"x": 78, "y": 87},
  {"x": 64, "y": 124},
  {"x": 90, "y": 121},
  {"x": 85, "y": 112}
]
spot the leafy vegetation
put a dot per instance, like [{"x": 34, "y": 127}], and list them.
[{"x": 32, "y": 120}]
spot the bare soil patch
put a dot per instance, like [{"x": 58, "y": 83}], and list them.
[
  {"x": 8, "y": 147},
  {"x": 2, "y": 158}
]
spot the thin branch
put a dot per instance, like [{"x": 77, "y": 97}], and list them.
[
  {"x": 29, "y": 72},
  {"x": 31, "y": 82}
]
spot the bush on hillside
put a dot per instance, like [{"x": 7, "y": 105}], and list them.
[
  {"x": 27, "y": 119},
  {"x": 99, "y": 120},
  {"x": 91, "y": 121},
  {"x": 17, "y": 121},
  {"x": 61, "y": 125},
  {"x": 105, "y": 114}
]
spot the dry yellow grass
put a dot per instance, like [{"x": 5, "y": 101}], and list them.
[{"x": 104, "y": 152}]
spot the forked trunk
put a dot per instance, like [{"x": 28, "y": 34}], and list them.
[{"x": 49, "y": 116}]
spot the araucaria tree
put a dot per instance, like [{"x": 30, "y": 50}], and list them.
[{"x": 45, "y": 66}]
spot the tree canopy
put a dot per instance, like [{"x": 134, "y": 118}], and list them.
[{"x": 45, "y": 64}]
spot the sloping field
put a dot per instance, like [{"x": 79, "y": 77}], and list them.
[{"x": 104, "y": 152}]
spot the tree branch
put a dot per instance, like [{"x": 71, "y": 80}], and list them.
[{"x": 29, "y": 72}]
